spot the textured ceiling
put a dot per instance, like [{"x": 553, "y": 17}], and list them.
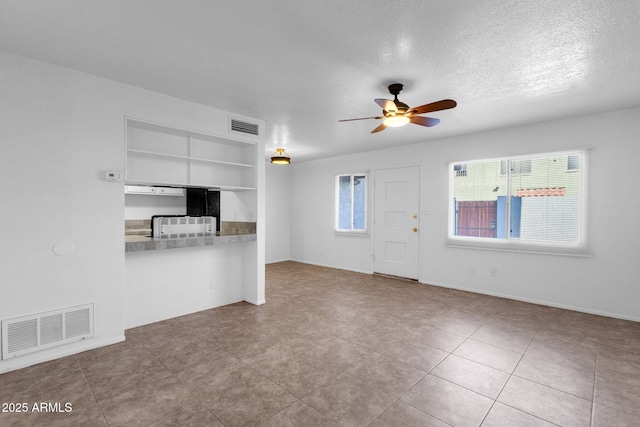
[{"x": 301, "y": 66}]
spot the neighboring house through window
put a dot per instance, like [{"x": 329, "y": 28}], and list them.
[{"x": 573, "y": 162}]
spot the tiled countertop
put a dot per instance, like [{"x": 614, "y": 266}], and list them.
[{"x": 135, "y": 243}]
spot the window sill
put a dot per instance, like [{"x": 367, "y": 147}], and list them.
[
  {"x": 579, "y": 252},
  {"x": 352, "y": 233}
]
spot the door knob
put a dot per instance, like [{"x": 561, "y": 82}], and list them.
[{"x": 415, "y": 229}]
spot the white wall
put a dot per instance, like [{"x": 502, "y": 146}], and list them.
[
  {"x": 61, "y": 130},
  {"x": 312, "y": 227},
  {"x": 606, "y": 283},
  {"x": 237, "y": 206},
  {"x": 278, "y": 195},
  {"x": 173, "y": 282},
  {"x": 142, "y": 206}
]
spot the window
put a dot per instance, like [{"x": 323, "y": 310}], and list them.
[
  {"x": 519, "y": 202},
  {"x": 351, "y": 203}
]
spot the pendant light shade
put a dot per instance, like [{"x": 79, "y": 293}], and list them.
[{"x": 280, "y": 157}]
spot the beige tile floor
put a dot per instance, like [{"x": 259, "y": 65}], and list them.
[{"x": 332, "y": 347}]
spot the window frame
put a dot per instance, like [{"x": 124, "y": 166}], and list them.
[
  {"x": 579, "y": 248},
  {"x": 504, "y": 166},
  {"x": 351, "y": 231}
]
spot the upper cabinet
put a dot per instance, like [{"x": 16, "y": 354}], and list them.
[{"x": 162, "y": 155}]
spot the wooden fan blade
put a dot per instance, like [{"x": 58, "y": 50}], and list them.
[
  {"x": 362, "y": 118},
  {"x": 445, "y": 104},
  {"x": 424, "y": 121},
  {"x": 386, "y": 104},
  {"x": 379, "y": 128}
]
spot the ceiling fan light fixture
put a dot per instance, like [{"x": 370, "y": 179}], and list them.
[
  {"x": 396, "y": 113},
  {"x": 396, "y": 121},
  {"x": 280, "y": 157}
]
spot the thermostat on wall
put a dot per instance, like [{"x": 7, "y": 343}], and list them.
[{"x": 114, "y": 176}]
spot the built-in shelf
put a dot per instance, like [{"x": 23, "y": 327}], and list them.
[
  {"x": 193, "y": 159},
  {"x": 163, "y": 155}
]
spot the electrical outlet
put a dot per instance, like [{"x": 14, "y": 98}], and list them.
[
  {"x": 494, "y": 272},
  {"x": 472, "y": 269}
]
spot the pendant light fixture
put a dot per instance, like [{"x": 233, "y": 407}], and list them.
[{"x": 280, "y": 157}]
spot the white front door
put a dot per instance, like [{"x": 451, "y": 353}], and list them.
[{"x": 396, "y": 222}]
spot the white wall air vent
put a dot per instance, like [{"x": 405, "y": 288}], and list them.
[
  {"x": 27, "y": 334},
  {"x": 244, "y": 127}
]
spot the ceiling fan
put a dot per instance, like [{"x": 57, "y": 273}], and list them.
[{"x": 396, "y": 113}]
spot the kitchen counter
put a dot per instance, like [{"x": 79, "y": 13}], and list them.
[{"x": 134, "y": 243}]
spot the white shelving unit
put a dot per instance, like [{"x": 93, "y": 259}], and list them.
[{"x": 162, "y": 155}]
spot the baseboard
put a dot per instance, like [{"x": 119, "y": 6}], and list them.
[
  {"x": 55, "y": 353},
  {"x": 355, "y": 270},
  {"x": 256, "y": 302},
  {"x": 535, "y": 301},
  {"x": 277, "y": 261}
]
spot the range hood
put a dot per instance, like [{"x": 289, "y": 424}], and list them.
[{"x": 153, "y": 190}]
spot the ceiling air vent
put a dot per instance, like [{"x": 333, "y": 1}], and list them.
[{"x": 244, "y": 127}]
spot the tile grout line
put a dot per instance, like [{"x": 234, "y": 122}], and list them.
[
  {"x": 186, "y": 387},
  {"x": 424, "y": 376},
  {"x": 91, "y": 388},
  {"x": 556, "y": 364},
  {"x": 511, "y": 374},
  {"x": 298, "y": 399}
]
